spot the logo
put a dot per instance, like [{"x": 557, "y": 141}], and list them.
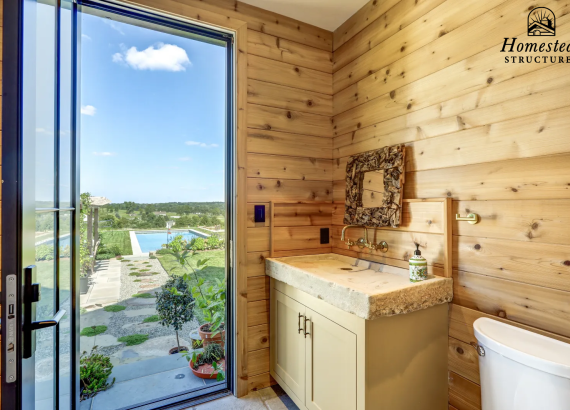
[{"x": 541, "y": 22}]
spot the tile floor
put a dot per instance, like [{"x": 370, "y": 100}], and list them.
[{"x": 271, "y": 398}]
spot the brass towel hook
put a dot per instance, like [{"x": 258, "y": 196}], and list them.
[{"x": 471, "y": 218}]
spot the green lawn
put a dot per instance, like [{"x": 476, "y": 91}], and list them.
[
  {"x": 122, "y": 239},
  {"x": 45, "y": 276},
  {"x": 215, "y": 269}
]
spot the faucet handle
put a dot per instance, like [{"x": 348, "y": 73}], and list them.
[{"x": 350, "y": 243}]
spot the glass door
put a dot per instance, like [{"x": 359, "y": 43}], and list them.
[{"x": 40, "y": 343}]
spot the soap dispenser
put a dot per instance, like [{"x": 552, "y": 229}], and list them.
[{"x": 418, "y": 266}]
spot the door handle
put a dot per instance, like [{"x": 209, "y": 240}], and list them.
[
  {"x": 299, "y": 324},
  {"x": 32, "y": 294},
  {"x": 305, "y": 326}
]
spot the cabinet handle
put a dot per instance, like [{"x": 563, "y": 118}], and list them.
[
  {"x": 305, "y": 326},
  {"x": 299, "y": 323}
]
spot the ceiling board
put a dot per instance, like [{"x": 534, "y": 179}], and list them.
[{"x": 327, "y": 14}]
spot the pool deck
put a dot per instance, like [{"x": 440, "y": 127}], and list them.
[{"x": 137, "y": 251}]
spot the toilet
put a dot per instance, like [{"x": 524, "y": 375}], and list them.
[{"x": 521, "y": 370}]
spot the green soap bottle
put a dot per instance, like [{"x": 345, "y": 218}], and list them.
[{"x": 418, "y": 266}]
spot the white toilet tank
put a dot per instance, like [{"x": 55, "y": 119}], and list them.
[{"x": 521, "y": 370}]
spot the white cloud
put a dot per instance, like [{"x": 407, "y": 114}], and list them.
[
  {"x": 85, "y": 36},
  {"x": 114, "y": 26},
  {"x": 88, "y": 110},
  {"x": 185, "y": 159},
  {"x": 167, "y": 57},
  {"x": 104, "y": 154},
  {"x": 201, "y": 144}
]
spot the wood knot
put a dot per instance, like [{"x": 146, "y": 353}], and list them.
[
  {"x": 566, "y": 263},
  {"x": 448, "y": 193},
  {"x": 489, "y": 80},
  {"x": 409, "y": 106},
  {"x": 392, "y": 93},
  {"x": 514, "y": 190},
  {"x": 310, "y": 103},
  {"x": 387, "y": 71},
  {"x": 278, "y": 184},
  {"x": 289, "y": 114},
  {"x": 502, "y": 314},
  {"x": 477, "y": 247},
  {"x": 358, "y": 125},
  {"x": 535, "y": 226},
  {"x": 402, "y": 49},
  {"x": 264, "y": 339},
  {"x": 297, "y": 69},
  {"x": 460, "y": 350}
]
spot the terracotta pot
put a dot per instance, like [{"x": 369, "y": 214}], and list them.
[
  {"x": 208, "y": 337},
  {"x": 206, "y": 371},
  {"x": 174, "y": 350}
]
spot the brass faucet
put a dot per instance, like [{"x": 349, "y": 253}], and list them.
[
  {"x": 348, "y": 242},
  {"x": 382, "y": 246}
]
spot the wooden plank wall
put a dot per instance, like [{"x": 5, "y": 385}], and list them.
[
  {"x": 492, "y": 136},
  {"x": 289, "y": 159}
]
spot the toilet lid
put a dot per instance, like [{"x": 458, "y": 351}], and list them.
[{"x": 528, "y": 348}]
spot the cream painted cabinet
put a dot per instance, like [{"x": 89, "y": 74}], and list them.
[
  {"x": 328, "y": 359},
  {"x": 313, "y": 356},
  {"x": 288, "y": 353},
  {"x": 330, "y": 352}
]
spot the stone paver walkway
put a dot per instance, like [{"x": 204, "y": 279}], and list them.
[{"x": 106, "y": 284}]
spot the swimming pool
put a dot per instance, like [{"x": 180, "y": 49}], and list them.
[{"x": 153, "y": 241}]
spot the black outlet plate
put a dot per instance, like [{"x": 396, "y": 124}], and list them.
[{"x": 325, "y": 236}]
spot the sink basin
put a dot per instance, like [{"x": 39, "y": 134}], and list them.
[{"x": 366, "y": 289}]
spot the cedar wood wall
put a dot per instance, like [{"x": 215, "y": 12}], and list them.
[{"x": 492, "y": 136}]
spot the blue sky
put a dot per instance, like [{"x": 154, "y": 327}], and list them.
[{"x": 153, "y": 114}]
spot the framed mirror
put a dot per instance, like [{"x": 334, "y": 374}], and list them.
[{"x": 374, "y": 187}]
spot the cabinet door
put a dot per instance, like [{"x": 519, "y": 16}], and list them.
[
  {"x": 331, "y": 365},
  {"x": 288, "y": 344}
]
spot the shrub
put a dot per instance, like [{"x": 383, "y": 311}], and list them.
[
  {"x": 44, "y": 252},
  {"x": 143, "y": 295},
  {"x": 133, "y": 340},
  {"x": 93, "y": 331},
  {"x": 152, "y": 257},
  {"x": 150, "y": 319},
  {"x": 114, "y": 308},
  {"x": 163, "y": 252},
  {"x": 94, "y": 370},
  {"x": 198, "y": 244},
  {"x": 213, "y": 242},
  {"x": 104, "y": 256},
  {"x": 175, "y": 304}
]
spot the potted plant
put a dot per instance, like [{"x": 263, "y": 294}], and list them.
[
  {"x": 211, "y": 299},
  {"x": 94, "y": 372},
  {"x": 175, "y": 306},
  {"x": 210, "y": 364},
  {"x": 83, "y": 282}
]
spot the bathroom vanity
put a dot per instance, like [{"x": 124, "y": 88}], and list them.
[{"x": 349, "y": 334}]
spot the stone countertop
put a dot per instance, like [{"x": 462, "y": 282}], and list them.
[{"x": 366, "y": 289}]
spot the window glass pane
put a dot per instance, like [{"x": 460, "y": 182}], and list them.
[
  {"x": 65, "y": 97},
  {"x": 45, "y": 308},
  {"x": 39, "y": 95},
  {"x": 65, "y": 304}
]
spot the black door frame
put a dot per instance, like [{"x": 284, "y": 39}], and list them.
[{"x": 12, "y": 168}]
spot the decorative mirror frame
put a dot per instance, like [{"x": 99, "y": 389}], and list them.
[{"x": 391, "y": 160}]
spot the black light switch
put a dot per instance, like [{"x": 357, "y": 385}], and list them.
[
  {"x": 325, "y": 236},
  {"x": 259, "y": 213}
]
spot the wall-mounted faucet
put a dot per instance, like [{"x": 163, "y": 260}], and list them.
[{"x": 363, "y": 242}]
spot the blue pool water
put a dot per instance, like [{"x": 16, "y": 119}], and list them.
[{"x": 150, "y": 242}]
